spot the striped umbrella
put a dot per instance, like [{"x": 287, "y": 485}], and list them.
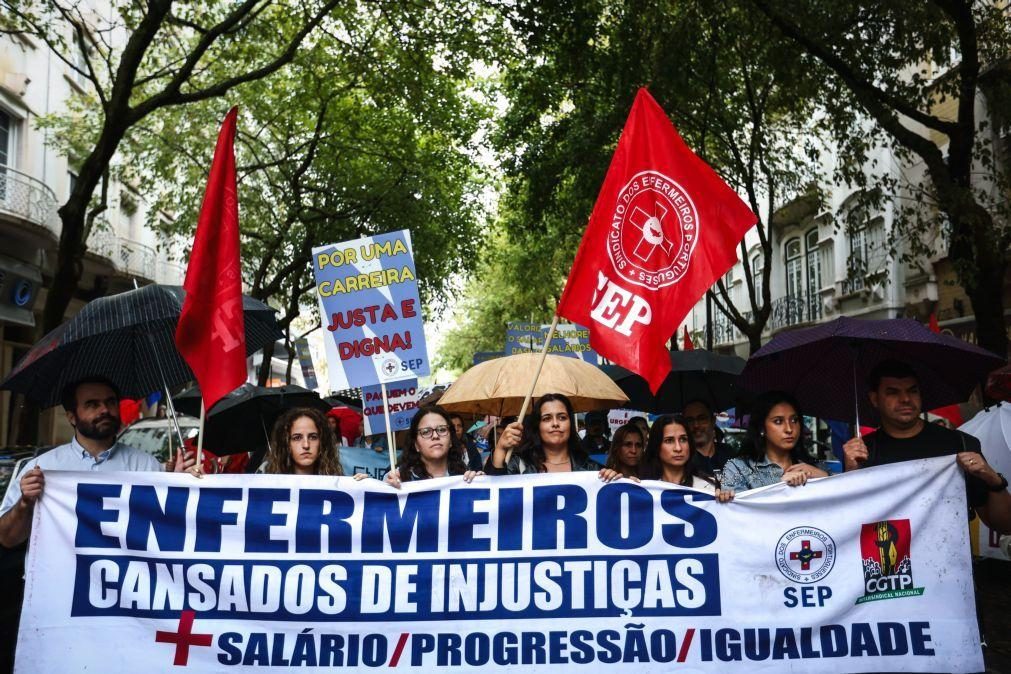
[{"x": 127, "y": 338}]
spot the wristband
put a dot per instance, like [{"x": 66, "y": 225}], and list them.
[{"x": 1000, "y": 487}]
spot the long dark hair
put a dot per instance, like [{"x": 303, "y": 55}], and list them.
[
  {"x": 279, "y": 459},
  {"x": 651, "y": 468},
  {"x": 531, "y": 448},
  {"x": 754, "y": 448},
  {"x": 614, "y": 453},
  {"x": 411, "y": 464}
]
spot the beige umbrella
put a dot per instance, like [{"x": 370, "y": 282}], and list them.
[{"x": 499, "y": 386}]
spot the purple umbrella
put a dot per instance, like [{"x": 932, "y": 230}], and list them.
[{"x": 826, "y": 366}]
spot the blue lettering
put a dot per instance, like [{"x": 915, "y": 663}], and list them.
[
  {"x": 673, "y": 502},
  {"x": 892, "y": 638},
  {"x": 549, "y": 513},
  {"x": 260, "y": 516},
  {"x": 91, "y": 514},
  {"x": 383, "y": 515},
  {"x": 610, "y": 511},
  {"x": 312, "y": 518},
  {"x": 464, "y": 519},
  {"x": 920, "y": 638},
  {"x": 211, "y": 517},
  {"x": 169, "y": 525},
  {"x": 863, "y": 641},
  {"x": 510, "y": 509},
  {"x": 230, "y": 654}
]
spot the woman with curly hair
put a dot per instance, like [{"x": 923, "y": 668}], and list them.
[
  {"x": 668, "y": 456},
  {"x": 775, "y": 449},
  {"x": 303, "y": 444},
  {"x": 545, "y": 442},
  {"x": 432, "y": 450},
  {"x": 625, "y": 455}
]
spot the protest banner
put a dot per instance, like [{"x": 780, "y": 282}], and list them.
[
  {"x": 567, "y": 340},
  {"x": 241, "y": 573},
  {"x": 305, "y": 362},
  {"x": 619, "y": 417},
  {"x": 370, "y": 310},
  {"x": 483, "y": 356},
  {"x": 402, "y": 399}
]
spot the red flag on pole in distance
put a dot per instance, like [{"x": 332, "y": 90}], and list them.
[
  {"x": 933, "y": 324},
  {"x": 687, "y": 343},
  {"x": 664, "y": 228},
  {"x": 211, "y": 333}
]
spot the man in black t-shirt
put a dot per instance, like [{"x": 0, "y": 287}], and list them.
[
  {"x": 710, "y": 454},
  {"x": 895, "y": 393}
]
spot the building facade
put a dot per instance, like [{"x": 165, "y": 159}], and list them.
[{"x": 35, "y": 179}]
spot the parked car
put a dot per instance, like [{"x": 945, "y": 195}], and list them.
[{"x": 155, "y": 436}]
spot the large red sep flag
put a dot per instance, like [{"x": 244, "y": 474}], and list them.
[
  {"x": 664, "y": 228},
  {"x": 211, "y": 332}
]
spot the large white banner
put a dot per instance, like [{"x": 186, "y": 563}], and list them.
[{"x": 862, "y": 572}]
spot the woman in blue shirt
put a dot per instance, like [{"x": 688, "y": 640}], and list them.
[{"x": 775, "y": 450}]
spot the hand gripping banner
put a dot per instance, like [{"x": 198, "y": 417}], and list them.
[{"x": 863, "y": 572}]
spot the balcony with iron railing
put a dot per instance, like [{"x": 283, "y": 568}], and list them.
[
  {"x": 793, "y": 310},
  {"x": 29, "y": 199},
  {"x": 133, "y": 257}
]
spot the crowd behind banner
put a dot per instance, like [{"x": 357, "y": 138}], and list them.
[{"x": 683, "y": 449}]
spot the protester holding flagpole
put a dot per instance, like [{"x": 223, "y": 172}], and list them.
[{"x": 210, "y": 334}]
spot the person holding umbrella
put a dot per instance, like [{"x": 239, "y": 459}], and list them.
[
  {"x": 627, "y": 446},
  {"x": 545, "y": 442},
  {"x": 304, "y": 444},
  {"x": 775, "y": 450},
  {"x": 92, "y": 408},
  {"x": 894, "y": 391}
]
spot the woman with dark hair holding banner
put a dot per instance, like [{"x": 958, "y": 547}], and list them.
[
  {"x": 303, "y": 444},
  {"x": 668, "y": 456},
  {"x": 775, "y": 448},
  {"x": 433, "y": 450},
  {"x": 545, "y": 442},
  {"x": 625, "y": 455}
]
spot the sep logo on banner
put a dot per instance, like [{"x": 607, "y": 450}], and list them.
[
  {"x": 403, "y": 399},
  {"x": 569, "y": 340},
  {"x": 525, "y": 573},
  {"x": 370, "y": 309}
]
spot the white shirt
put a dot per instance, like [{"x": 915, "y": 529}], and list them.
[{"x": 72, "y": 456}]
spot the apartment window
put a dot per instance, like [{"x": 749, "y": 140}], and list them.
[
  {"x": 812, "y": 260},
  {"x": 757, "y": 267},
  {"x": 794, "y": 270},
  {"x": 6, "y": 149},
  {"x": 857, "y": 263}
]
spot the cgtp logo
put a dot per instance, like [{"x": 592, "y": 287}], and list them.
[
  {"x": 888, "y": 569},
  {"x": 653, "y": 231}
]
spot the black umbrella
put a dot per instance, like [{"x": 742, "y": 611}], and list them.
[
  {"x": 242, "y": 420},
  {"x": 127, "y": 338},
  {"x": 695, "y": 375},
  {"x": 826, "y": 366}
]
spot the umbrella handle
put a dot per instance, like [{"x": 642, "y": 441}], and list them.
[
  {"x": 856, "y": 393},
  {"x": 537, "y": 374}
]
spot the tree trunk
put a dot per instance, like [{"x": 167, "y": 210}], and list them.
[{"x": 264, "y": 376}]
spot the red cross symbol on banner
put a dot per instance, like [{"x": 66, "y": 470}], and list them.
[
  {"x": 183, "y": 638},
  {"x": 805, "y": 556},
  {"x": 652, "y": 231}
]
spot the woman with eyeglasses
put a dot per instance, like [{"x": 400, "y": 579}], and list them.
[
  {"x": 433, "y": 450},
  {"x": 545, "y": 442},
  {"x": 303, "y": 444}
]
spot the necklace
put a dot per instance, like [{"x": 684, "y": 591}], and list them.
[{"x": 557, "y": 463}]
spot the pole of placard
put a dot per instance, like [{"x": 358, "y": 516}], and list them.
[
  {"x": 389, "y": 430},
  {"x": 856, "y": 395},
  {"x": 537, "y": 374},
  {"x": 200, "y": 436}
]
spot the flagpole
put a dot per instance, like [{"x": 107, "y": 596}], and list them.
[
  {"x": 390, "y": 437},
  {"x": 200, "y": 437},
  {"x": 537, "y": 374}
]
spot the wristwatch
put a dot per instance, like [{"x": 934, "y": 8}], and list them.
[{"x": 1000, "y": 487}]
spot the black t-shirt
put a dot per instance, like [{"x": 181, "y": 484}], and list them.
[
  {"x": 710, "y": 464},
  {"x": 931, "y": 442}
]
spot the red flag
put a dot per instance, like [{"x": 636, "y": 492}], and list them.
[
  {"x": 687, "y": 343},
  {"x": 932, "y": 324},
  {"x": 211, "y": 334},
  {"x": 664, "y": 228}
]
